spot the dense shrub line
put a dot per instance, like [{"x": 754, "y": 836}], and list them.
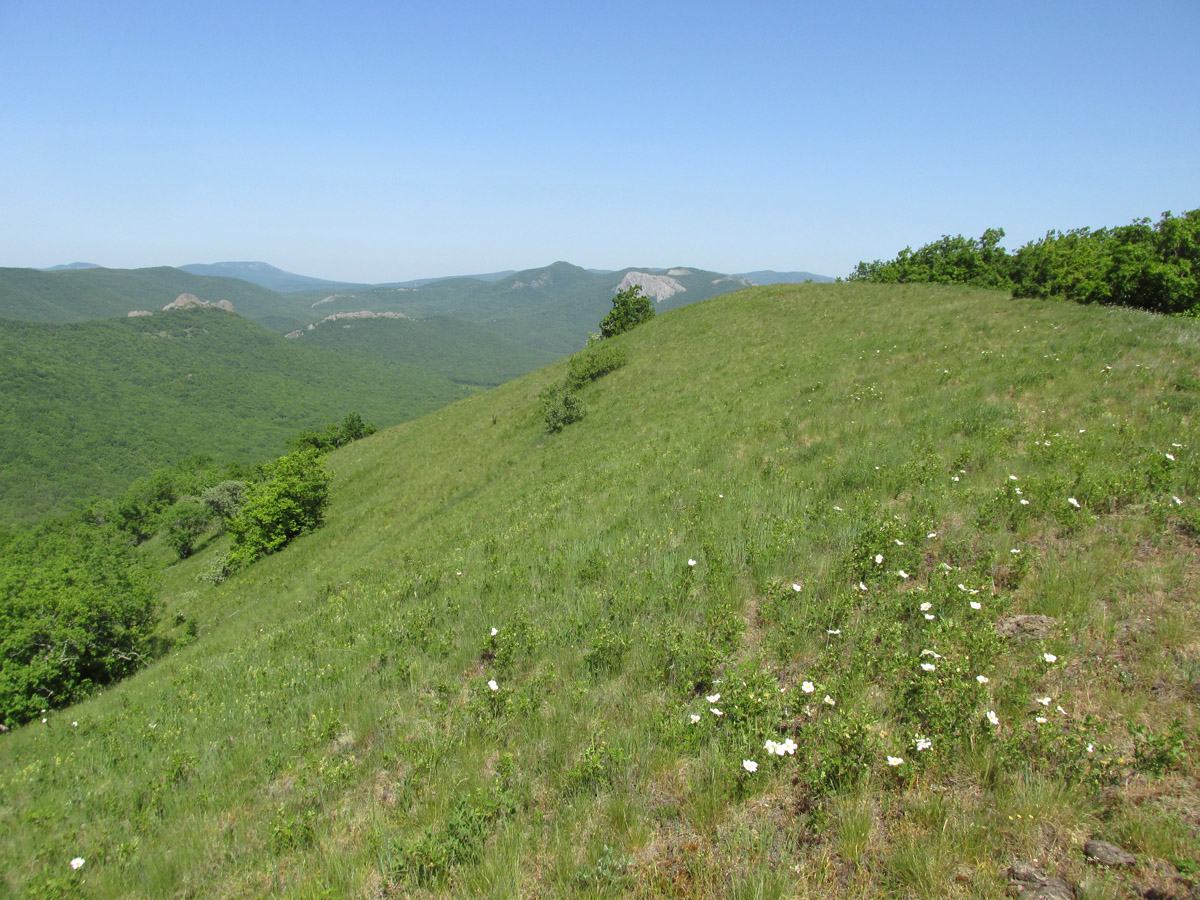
[{"x": 1143, "y": 265}]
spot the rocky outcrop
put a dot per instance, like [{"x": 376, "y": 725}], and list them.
[
  {"x": 360, "y": 314},
  {"x": 660, "y": 287},
  {"x": 138, "y": 312},
  {"x": 189, "y": 301}
]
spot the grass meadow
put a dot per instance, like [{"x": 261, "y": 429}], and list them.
[{"x": 936, "y": 545}]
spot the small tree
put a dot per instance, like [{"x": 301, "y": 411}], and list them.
[
  {"x": 630, "y": 308},
  {"x": 186, "y": 520},
  {"x": 224, "y": 500}
]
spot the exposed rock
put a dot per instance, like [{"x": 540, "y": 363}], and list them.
[
  {"x": 679, "y": 272},
  {"x": 1108, "y": 854},
  {"x": 188, "y": 301},
  {"x": 1026, "y": 626},
  {"x": 660, "y": 287},
  {"x": 1029, "y": 882},
  {"x": 360, "y": 314},
  {"x": 138, "y": 312}
]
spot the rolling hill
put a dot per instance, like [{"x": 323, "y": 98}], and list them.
[
  {"x": 552, "y": 308},
  {"x": 79, "y": 295},
  {"x": 89, "y": 407},
  {"x": 835, "y": 591}
]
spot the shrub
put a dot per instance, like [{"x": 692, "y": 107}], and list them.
[
  {"x": 224, "y": 500},
  {"x": 593, "y": 363},
  {"x": 76, "y": 610},
  {"x": 560, "y": 407},
  {"x": 186, "y": 521},
  {"x": 630, "y": 308},
  {"x": 290, "y": 502}
]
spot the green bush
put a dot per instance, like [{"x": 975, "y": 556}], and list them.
[
  {"x": 593, "y": 363},
  {"x": 560, "y": 407},
  {"x": 186, "y": 521},
  {"x": 224, "y": 500},
  {"x": 630, "y": 308},
  {"x": 289, "y": 502},
  {"x": 76, "y": 610}
]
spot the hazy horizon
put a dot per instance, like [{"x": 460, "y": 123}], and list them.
[{"x": 381, "y": 143}]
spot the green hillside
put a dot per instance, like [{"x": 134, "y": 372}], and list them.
[
  {"x": 836, "y": 591},
  {"x": 551, "y": 309},
  {"x": 79, "y": 295},
  {"x": 89, "y": 407}
]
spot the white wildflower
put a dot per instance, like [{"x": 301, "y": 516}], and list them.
[
  {"x": 695, "y": 717},
  {"x": 807, "y": 687},
  {"x": 749, "y": 765},
  {"x": 895, "y": 761},
  {"x": 902, "y": 574},
  {"x": 829, "y": 701},
  {"x": 929, "y": 617},
  {"x": 1045, "y": 701},
  {"x": 879, "y": 559},
  {"x": 716, "y": 712},
  {"x": 1041, "y": 720},
  {"x": 495, "y": 631},
  {"x": 691, "y": 562},
  {"x": 928, "y": 667},
  {"x": 992, "y": 717},
  {"x": 493, "y": 686},
  {"x": 1073, "y": 502},
  {"x": 975, "y": 604},
  {"x": 713, "y": 698},
  {"x": 1050, "y": 658},
  {"x": 926, "y": 606},
  {"x": 924, "y": 744},
  {"x": 77, "y": 862},
  {"x": 982, "y": 679}
]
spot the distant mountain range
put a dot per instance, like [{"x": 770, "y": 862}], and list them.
[{"x": 276, "y": 279}]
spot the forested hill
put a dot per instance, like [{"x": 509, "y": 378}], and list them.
[
  {"x": 78, "y": 295},
  {"x": 88, "y": 407}
]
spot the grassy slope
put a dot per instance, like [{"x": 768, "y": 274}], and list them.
[
  {"x": 331, "y": 730},
  {"x": 78, "y": 295},
  {"x": 89, "y": 407}
]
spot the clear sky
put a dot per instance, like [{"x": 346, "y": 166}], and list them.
[{"x": 373, "y": 141}]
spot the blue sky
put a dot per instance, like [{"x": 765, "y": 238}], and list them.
[{"x": 386, "y": 141}]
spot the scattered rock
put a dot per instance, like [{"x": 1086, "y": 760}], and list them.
[
  {"x": 1026, "y": 626},
  {"x": 188, "y": 301},
  {"x": 1028, "y": 882},
  {"x": 1108, "y": 854},
  {"x": 138, "y": 312}
]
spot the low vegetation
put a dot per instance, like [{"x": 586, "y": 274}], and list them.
[{"x": 849, "y": 590}]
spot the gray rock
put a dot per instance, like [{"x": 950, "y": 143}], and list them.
[
  {"x": 1026, "y": 626},
  {"x": 1029, "y": 882},
  {"x": 1108, "y": 854}
]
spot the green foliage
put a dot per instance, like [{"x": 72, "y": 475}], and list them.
[
  {"x": 185, "y": 521},
  {"x": 950, "y": 260},
  {"x": 560, "y": 407},
  {"x": 75, "y": 613},
  {"x": 595, "y": 362},
  {"x": 224, "y": 500},
  {"x": 630, "y": 308},
  {"x": 1154, "y": 267},
  {"x": 334, "y": 435},
  {"x": 139, "y": 511},
  {"x": 289, "y": 502}
]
